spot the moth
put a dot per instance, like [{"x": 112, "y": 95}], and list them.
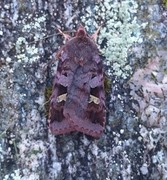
[{"x": 77, "y": 102}]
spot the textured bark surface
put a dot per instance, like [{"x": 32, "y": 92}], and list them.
[{"x": 133, "y": 42}]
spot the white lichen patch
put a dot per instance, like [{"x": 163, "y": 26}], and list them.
[
  {"x": 159, "y": 159},
  {"x": 55, "y": 170},
  {"x": 31, "y": 153},
  {"x": 151, "y": 137},
  {"x": 144, "y": 169},
  {"x": 94, "y": 149},
  {"x": 16, "y": 175},
  {"x": 120, "y": 150},
  {"x": 55, "y": 167},
  {"x": 34, "y": 24},
  {"x": 119, "y": 32},
  {"x": 27, "y": 51}
]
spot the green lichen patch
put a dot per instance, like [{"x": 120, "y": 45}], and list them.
[
  {"x": 107, "y": 84},
  {"x": 48, "y": 92},
  {"x": 119, "y": 32},
  {"x": 164, "y": 3}
]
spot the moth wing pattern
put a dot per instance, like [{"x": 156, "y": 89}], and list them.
[{"x": 78, "y": 97}]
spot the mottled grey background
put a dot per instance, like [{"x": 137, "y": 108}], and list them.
[{"x": 133, "y": 43}]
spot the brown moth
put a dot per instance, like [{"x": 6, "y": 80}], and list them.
[{"x": 78, "y": 97}]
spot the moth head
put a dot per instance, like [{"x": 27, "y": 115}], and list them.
[{"x": 81, "y": 32}]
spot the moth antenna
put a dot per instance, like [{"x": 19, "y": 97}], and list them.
[
  {"x": 94, "y": 36},
  {"x": 66, "y": 36}
]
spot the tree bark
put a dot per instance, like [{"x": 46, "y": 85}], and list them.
[{"x": 133, "y": 42}]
